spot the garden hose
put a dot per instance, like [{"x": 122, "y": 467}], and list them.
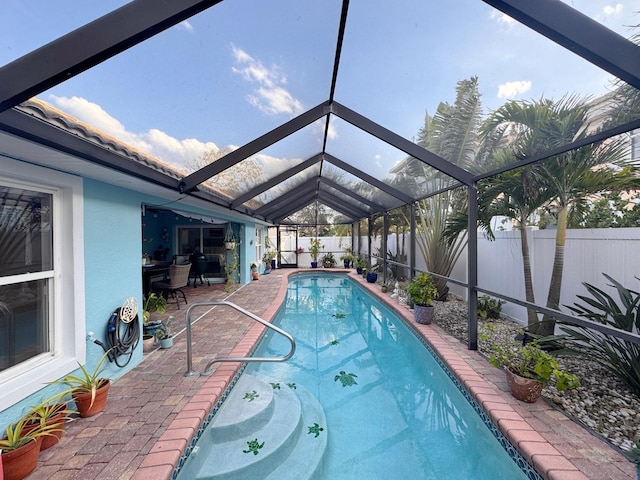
[{"x": 123, "y": 332}]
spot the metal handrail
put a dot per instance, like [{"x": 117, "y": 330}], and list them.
[{"x": 207, "y": 371}]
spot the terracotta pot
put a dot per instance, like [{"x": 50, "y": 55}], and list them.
[
  {"x": 254, "y": 274},
  {"x": 57, "y": 421},
  {"x": 83, "y": 401},
  {"x": 524, "y": 389},
  {"x": 19, "y": 463},
  {"x": 422, "y": 314}
]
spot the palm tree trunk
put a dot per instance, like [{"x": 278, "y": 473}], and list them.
[
  {"x": 548, "y": 324},
  {"x": 532, "y": 317}
]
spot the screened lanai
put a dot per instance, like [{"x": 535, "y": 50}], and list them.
[{"x": 269, "y": 108}]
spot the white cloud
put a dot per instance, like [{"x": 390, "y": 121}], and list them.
[
  {"x": 154, "y": 142},
  {"x": 320, "y": 125},
  {"x": 609, "y": 10},
  {"x": 513, "y": 89},
  {"x": 502, "y": 18},
  {"x": 269, "y": 94},
  {"x": 185, "y": 25}
]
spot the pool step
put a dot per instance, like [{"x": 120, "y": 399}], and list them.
[{"x": 277, "y": 420}]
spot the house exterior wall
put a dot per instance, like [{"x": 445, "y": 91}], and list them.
[{"x": 111, "y": 241}]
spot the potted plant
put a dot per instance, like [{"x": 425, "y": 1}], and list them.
[
  {"x": 269, "y": 260},
  {"x": 269, "y": 257},
  {"x": 20, "y": 448},
  {"x": 229, "y": 239},
  {"x": 529, "y": 368},
  {"x": 164, "y": 333},
  {"x": 148, "y": 342},
  {"x": 53, "y": 412},
  {"x": 372, "y": 275},
  {"x": 360, "y": 265},
  {"x": 88, "y": 390},
  {"x": 152, "y": 303},
  {"x": 254, "y": 270},
  {"x": 422, "y": 291},
  {"x": 348, "y": 257},
  {"x": 328, "y": 260},
  {"x": 314, "y": 249}
]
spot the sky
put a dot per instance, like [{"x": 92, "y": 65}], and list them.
[{"x": 242, "y": 68}]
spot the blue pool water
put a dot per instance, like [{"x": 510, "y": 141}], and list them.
[{"x": 399, "y": 414}]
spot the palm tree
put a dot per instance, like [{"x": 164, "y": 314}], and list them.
[
  {"x": 539, "y": 126},
  {"x": 452, "y": 133}
]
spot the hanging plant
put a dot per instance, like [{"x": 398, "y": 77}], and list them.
[{"x": 229, "y": 238}]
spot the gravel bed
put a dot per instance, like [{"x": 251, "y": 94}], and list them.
[{"x": 602, "y": 403}]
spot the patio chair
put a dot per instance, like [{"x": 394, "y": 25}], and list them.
[
  {"x": 178, "y": 278},
  {"x": 199, "y": 264}
]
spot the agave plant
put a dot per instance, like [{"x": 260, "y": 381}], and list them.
[
  {"x": 619, "y": 356},
  {"x": 85, "y": 382},
  {"x": 18, "y": 434}
]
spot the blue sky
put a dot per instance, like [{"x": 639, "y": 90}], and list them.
[{"x": 244, "y": 67}]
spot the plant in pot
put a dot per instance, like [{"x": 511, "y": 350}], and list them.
[
  {"x": 269, "y": 259},
  {"x": 21, "y": 445},
  {"x": 88, "y": 390},
  {"x": 153, "y": 303},
  {"x": 529, "y": 368},
  {"x": 348, "y": 257},
  {"x": 422, "y": 291},
  {"x": 360, "y": 265},
  {"x": 372, "y": 274},
  {"x": 164, "y": 334},
  {"x": 229, "y": 239},
  {"x": 52, "y": 412},
  {"x": 254, "y": 270},
  {"x": 314, "y": 249},
  {"x": 328, "y": 260}
]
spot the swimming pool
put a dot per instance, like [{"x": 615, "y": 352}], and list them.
[{"x": 391, "y": 410}]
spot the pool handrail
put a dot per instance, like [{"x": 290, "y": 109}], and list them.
[{"x": 207, "y": 371}]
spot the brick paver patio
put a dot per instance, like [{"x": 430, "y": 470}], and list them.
[{"x": 153, "y": 411}]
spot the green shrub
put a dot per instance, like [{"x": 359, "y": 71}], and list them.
[
  {"x": 621, "y": 357},
  {"x": 489, "y": 307},
  {"x": 422, "y": 290}
]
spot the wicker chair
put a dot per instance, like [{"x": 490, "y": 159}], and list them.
[{"x": 178, "y": 278}]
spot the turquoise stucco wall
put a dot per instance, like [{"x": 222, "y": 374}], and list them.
[
  {"x": 113, "y": 235},
  {"x": 113, "y": 249}
]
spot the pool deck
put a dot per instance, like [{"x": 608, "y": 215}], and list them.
[{"x": 153, "y": 411}]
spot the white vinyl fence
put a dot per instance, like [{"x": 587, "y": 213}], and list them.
[{"x": 588, "y": 254}]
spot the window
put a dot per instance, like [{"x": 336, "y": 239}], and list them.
[
  {"x": 259, "y": 245},
  {"x": 208, "y": 241},
  {"x": 42, "y": 326},
  {"x": 26, "y": 268}
]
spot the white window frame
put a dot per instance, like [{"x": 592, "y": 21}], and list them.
[{"x": 67, "y": 327}]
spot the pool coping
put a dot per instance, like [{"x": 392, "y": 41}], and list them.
[{"x": 520, "y": 423}]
